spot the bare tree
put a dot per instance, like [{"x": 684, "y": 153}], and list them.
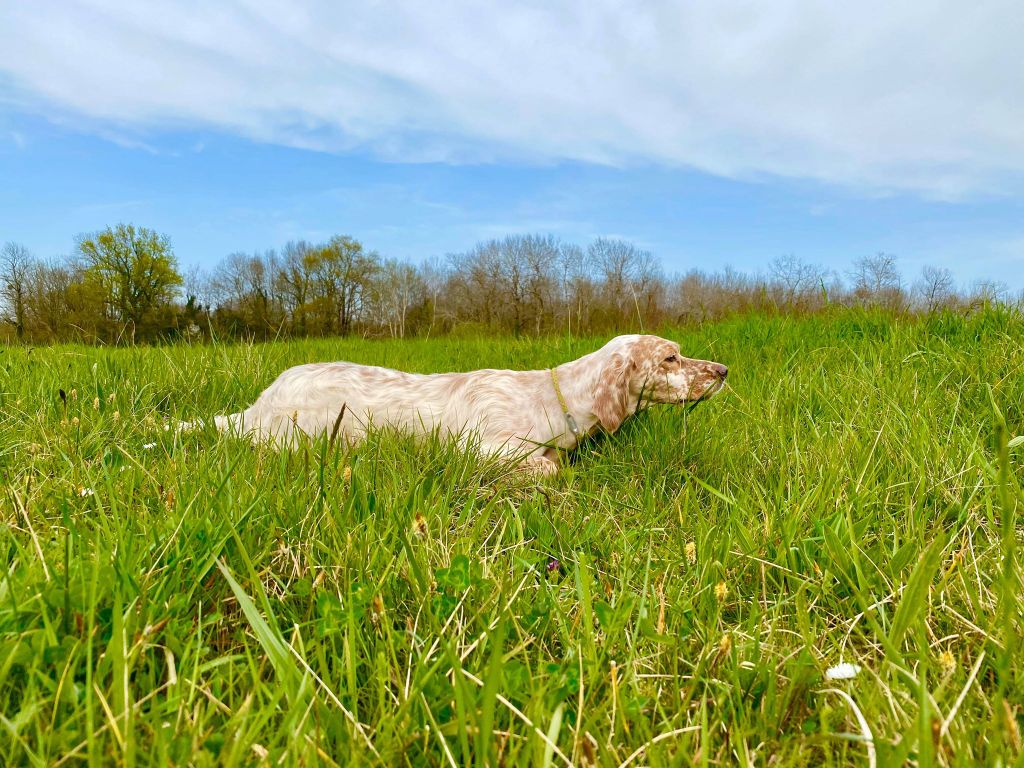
[
  {"x": 988, "y": 292},
  {"x": 631, "y": 278},
  {"x": 935, "y": 288},
  {"x": 876, "y": 280},
  {"x": 434, "y": 274},
  {"x": 16, "y": 267},
  {"x": 198, "y": 284},
  {"x": 540, "y": 255},
  {"x": 576, "y": 288},
  {"x": 230, "y": 280},
  {"x": 477, "y": 284},
  {"x": 396, "y": 289},
  {"x": 512, "y": 277},
  {"x": 534, "y": 258},
  {"x": 798, "y": 281},
  {"x": 246, "y": 287}
]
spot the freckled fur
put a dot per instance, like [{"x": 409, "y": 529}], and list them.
[{"x": 511, "y": 413}]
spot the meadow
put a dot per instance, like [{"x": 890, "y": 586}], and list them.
[{"x": 675, "y": 596}]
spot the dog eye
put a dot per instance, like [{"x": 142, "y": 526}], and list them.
[{"x": 671, "y": 359}]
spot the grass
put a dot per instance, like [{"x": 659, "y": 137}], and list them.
[{"x": 673, "y": 597}]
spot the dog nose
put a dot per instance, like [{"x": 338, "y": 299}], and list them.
[{"x": 720, "y": 370}]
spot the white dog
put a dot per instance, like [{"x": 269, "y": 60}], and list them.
[{"x": 524, "y": 415}]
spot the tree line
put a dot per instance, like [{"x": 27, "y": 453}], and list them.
[{"x": 124, "y": 284}]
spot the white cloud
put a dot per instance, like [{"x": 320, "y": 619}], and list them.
[{"x": 880, "y": 96}]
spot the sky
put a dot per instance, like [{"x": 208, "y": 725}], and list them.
[{"x": 713, "y": 134}]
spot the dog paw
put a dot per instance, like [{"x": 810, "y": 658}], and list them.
[{"x": 540, "y": 466}]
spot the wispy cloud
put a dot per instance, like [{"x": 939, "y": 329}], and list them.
[{"x": 871, "y": 95}]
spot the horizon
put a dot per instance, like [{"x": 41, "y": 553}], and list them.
[{"x": 713, "y": 139}]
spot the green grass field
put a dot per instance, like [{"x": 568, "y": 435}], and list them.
[{"x": 673, "y": 597}]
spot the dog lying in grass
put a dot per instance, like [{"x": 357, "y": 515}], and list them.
[{"x": 524, "y": 415}]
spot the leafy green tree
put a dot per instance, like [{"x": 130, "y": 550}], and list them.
[
  {"x": 343, "y": 271},
  {"x": 136, "y": 270}
]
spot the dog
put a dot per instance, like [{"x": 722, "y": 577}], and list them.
[{"x": 527, "y": 416}]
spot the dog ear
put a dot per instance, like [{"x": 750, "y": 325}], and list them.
[{"x": 611, "y": 398}]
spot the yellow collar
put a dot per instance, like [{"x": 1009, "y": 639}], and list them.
[{"x": 573, "y": 426}]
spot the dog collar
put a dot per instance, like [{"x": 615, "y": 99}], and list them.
[{"x": 573, "y": 426}]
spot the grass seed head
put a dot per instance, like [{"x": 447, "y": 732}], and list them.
[
  {"x": 588, "y": 750},
  {"x": 691, "y": 553},
  {"x": 376, "y": 610},
  {"x": 947, "y": 662},
  {"x": 721, "y": 590}
]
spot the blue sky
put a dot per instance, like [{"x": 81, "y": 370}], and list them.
[{"x": 713, "y": 134}]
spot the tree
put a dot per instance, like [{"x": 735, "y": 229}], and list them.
[
  {"x": 475, "y": 284},
  {"x": 16, "y": 266},
  {"x": 245, "y": 287},
  {"x": 935, "y": 287},
  {"x": 631, "y": 278},
  {"x": 61, "y": 304},
  {"x": 984, "y": 292},
  {"x": 396, "y": 290},
  {"x": 799, "y": 281},
  {"x": 342, "y": 271},
  {"x": 435, "y": 277},
  {"x": 575, "y": 287},
  {"x": 540, "y": 255},
  {"x": 136, "y": 270},
  {"x": 295, "y": 281},
  {"x": 876, "y": 280},
  {"x": 511, "y": 276}
]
